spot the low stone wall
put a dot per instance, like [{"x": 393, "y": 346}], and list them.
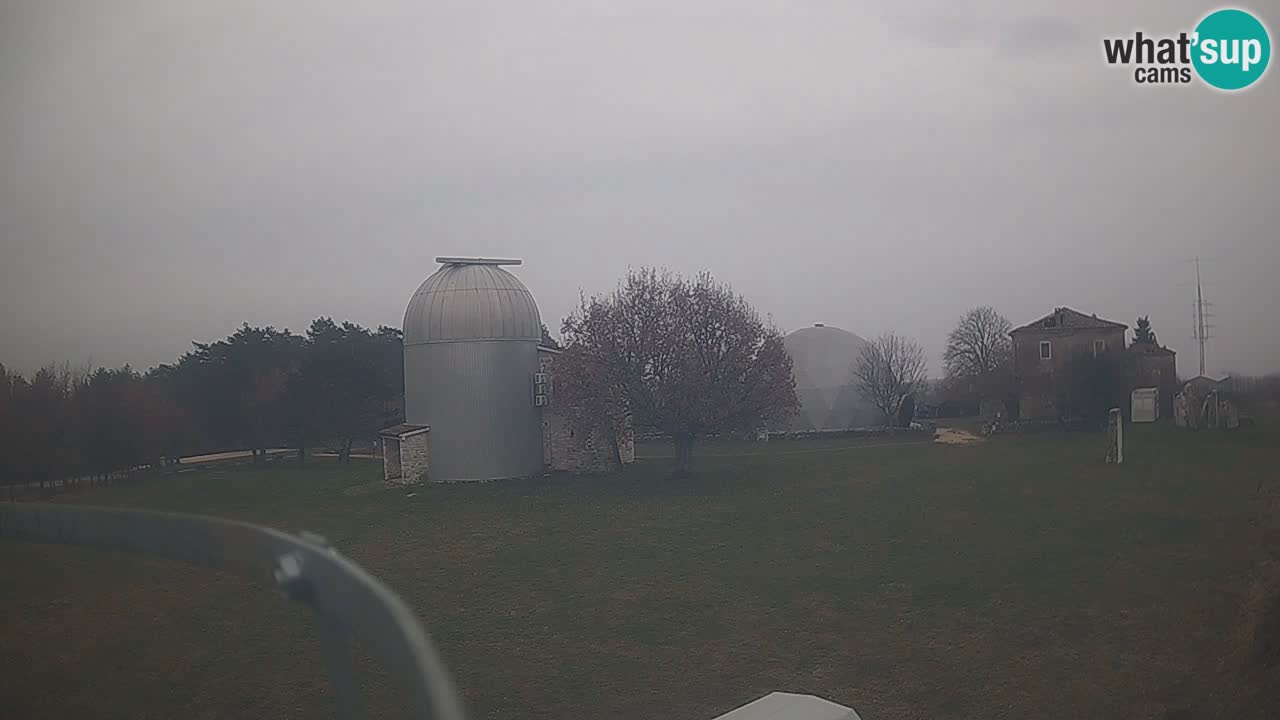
[
  {"x": 1025, "y": 427},
  {"x": 923, "y": 432}
]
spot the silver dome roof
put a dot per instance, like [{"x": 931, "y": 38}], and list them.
[
  {"x": 822, "y": 359},
  {"x": 471, "y": 299},
  {"x": 823, "y": 356}
]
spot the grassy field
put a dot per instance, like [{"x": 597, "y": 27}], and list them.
[{"x": 1017, "y": 578}]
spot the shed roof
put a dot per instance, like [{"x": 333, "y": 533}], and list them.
[
  {"x": 1064, "y": 318},
  {"x": 403, "y": 429}
]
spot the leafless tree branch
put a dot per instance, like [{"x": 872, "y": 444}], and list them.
[{"x": 888, "y": 369}]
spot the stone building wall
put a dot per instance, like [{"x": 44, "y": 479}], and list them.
[
  {"x": 566, "y": 448},
  {"x": 406, "y": 458},
  {"x": 1042, "y": 382},
  {"x": 414, "y": 458},
  {"x": 390, "y": 459}
]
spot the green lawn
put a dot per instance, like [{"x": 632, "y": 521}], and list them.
[{"x": 1017, "y": 578}]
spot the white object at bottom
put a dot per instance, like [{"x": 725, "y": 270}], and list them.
[{"x": 789, "y": 706}]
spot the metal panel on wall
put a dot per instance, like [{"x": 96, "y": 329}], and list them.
[{"x": 476, "y": 397}]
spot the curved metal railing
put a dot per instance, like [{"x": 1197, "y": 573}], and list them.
[{"x": 349, "y": 601}]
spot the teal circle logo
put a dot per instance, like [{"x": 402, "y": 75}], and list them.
[{"x": 1231, "y": 49}]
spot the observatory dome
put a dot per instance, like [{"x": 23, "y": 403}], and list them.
[
  {"x": 822, "y": 359},
  {"x": 471, "y": 299},
  {"x": 471, "y": 334}
]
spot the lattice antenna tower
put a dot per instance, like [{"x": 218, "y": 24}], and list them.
[{"x": 1201, "y": 332}]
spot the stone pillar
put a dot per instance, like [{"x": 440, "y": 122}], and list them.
[
  {"x": 627, "y": 444},
  {"x": 1115, "y": 437}
]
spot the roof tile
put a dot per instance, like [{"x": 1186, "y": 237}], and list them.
[{"x": 1068, "y": 319}]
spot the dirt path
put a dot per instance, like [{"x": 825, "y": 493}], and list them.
[{"x": 954, "y": 436}]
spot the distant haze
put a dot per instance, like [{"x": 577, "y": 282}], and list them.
[{"x": 169, "y": 170}]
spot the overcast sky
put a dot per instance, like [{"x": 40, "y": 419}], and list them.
[{"x": 169, "y": 170}]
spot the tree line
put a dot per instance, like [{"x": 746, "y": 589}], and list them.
[
  {"x": 891, "y": 370},
  {"x": 684, "y": 357},
  {"x": 257, "y": 388},
  {"x": 689, "y": 358}
]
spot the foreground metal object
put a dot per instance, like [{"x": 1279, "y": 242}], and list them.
[
  {"x": 349, "y": 601},
  {"x": 789, "y": 706}
]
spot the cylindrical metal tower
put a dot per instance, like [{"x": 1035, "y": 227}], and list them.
[{"x": 471, "y": 335}]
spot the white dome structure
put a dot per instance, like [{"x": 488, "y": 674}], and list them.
[
  {"x": 471, "y": 299},
  {"x": 822, "y": 359},
  {"x": 471, "y": 334}
]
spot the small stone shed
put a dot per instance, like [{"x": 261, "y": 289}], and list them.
[{"x": 404, "y": 453}]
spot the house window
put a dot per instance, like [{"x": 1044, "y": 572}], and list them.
[
  {"x": 1099, "y": 347},
  {"x": 1046, "y": 352}
]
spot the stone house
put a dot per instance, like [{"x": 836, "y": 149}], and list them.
[
  {"x": 1053, "y": 355},
  {"x": 1069, "y": 364},
  {"x": 567, "y": 448}
]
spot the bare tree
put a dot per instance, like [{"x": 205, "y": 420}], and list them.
[
  {"x": 686, "y": 357},
  {"x": 889, "y": 368},
  {"x": 979, "y": 345},
  {"x": 591, "y": 388}
]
